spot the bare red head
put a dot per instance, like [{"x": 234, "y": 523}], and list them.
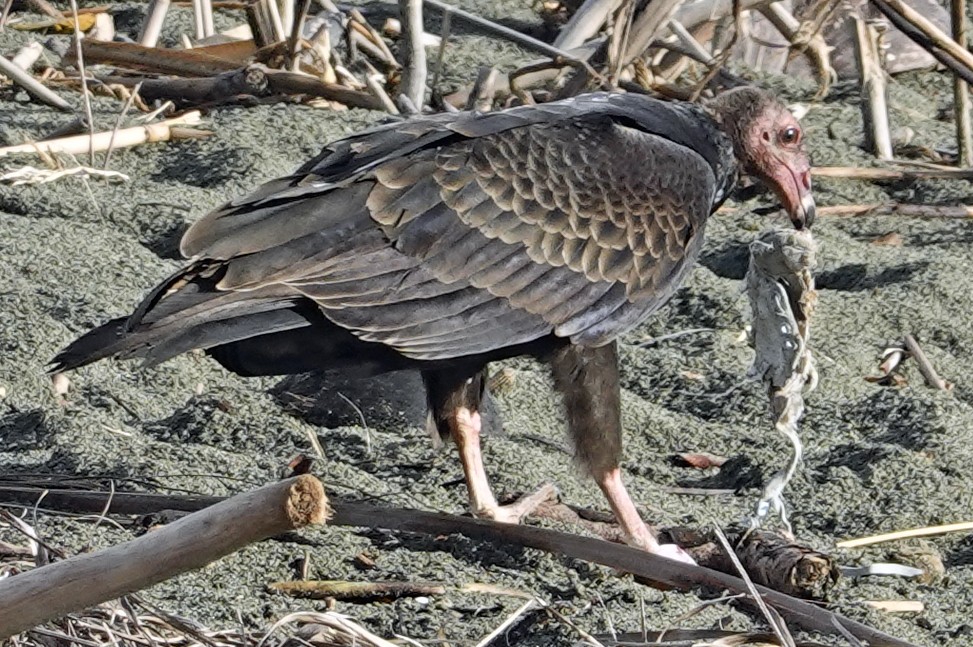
[{"x": 769, "y": 143}]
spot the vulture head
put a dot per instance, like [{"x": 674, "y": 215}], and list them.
[{"x": 769, "y": 143}]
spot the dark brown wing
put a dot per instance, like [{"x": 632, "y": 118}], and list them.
[
  {"x": 452, "y": 235},
  {"x": 581, "y": 225}
]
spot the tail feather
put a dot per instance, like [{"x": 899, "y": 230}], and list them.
[
  {"x": 186, "y": 312},
  {"x": 104, "y": 341}
]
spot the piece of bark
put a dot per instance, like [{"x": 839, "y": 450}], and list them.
[{"x": 48, "y": 592}]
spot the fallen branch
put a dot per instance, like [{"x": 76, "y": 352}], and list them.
[
  {"x": 32, "y": 86},
  {"x": 81, "y": 144},
  {"x": 925, "y": 366},
  {"x": 660, "y": 571},
  {"x": 254, "y": 80},
  {"x": 157, "y": 60},
  {"x": 48, "y": 592}
]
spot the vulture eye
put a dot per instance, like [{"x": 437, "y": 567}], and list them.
[{"x": 790, "y": 135}]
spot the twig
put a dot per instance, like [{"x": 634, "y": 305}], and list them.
[
  {"x": 897, "y": 209},
  {"x": 85, "y": 97},
  {"x": 804, "y": 40},
  {"x": 441, "y": 54},
  {"x": 509, "y": 622},
  {"x": 647, "y": 26},
  {"x": 356, "y": 591},
  {"x": 701, "y": 54},
  {"x": 118, "y": 123},
  {"x": 961, "y": 91},
  {"x": 484, "y": 90},
  {"x": 926, "y": 531},
  {"x": 78, "y": 144},
  {"x": 586, "y": 22},
  {"x": 413, "y": 84},
  {"x": 154, "y": 19},
  {"x": 876, "y": 113},
  {"x": 32, "y": 86},
  {"x": 890, "y": 174},
  {"x": 925, "y": 366},
  {"x": 295, "y": 36},
  {"x": 925, "y": 34},
  {"x": 513, "y": 36},
  {"x": 203, "y": 17}
]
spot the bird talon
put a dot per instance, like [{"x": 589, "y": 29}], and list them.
[{"x": 521, "y": 508}]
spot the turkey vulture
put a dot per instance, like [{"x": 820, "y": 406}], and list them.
[{"x": 445, "y": 242}]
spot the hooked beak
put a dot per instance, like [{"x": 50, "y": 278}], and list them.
[{"x": 793, "y": 188}]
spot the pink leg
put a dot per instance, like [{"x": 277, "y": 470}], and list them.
[
  {"x": 465, "y": 429},
  {"x": 637, "y": 534}
]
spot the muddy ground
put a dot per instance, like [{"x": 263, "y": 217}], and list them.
[{"x": 878, "y": 458}]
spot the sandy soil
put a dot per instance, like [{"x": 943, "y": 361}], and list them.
[{"x": 878, "y": 458}]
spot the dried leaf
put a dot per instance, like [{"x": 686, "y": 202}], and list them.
[{"x": 891, "y": 239}]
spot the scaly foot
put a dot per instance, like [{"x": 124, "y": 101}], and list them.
[{"x": 515, "y": 512}]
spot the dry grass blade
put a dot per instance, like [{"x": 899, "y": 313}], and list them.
[
  {"x": 85, "y": 97},
  {"x": 926, "y": 531},
  {"x": 509, "y": 622},
  {"x": 340, "y": 627}
]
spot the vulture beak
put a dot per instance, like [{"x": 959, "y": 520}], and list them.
[{"x": 792, "y": 184}]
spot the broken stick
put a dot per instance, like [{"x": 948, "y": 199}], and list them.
[{"x": 48, "y": 592}]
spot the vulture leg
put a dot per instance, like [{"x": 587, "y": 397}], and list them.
[
  {"x": 587, "y": 378},
  {"x": 454, "y": 397}
]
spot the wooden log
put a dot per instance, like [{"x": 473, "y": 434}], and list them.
[{"x": 48, "y": 592}]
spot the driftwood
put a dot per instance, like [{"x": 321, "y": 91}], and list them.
[
  {"x": 253, "y": 80},
  {"x": 45, "y": 593},
  {"x": 152, "y": 27},
  {"x": 925, "y": 366},
  {"x": 658, "y": 570},
  {"x": 182, "y": 62}
]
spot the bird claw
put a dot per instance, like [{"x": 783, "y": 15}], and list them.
[
  {"x": 521, "y": 508},
  {"x": 673, "y": 552}
]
